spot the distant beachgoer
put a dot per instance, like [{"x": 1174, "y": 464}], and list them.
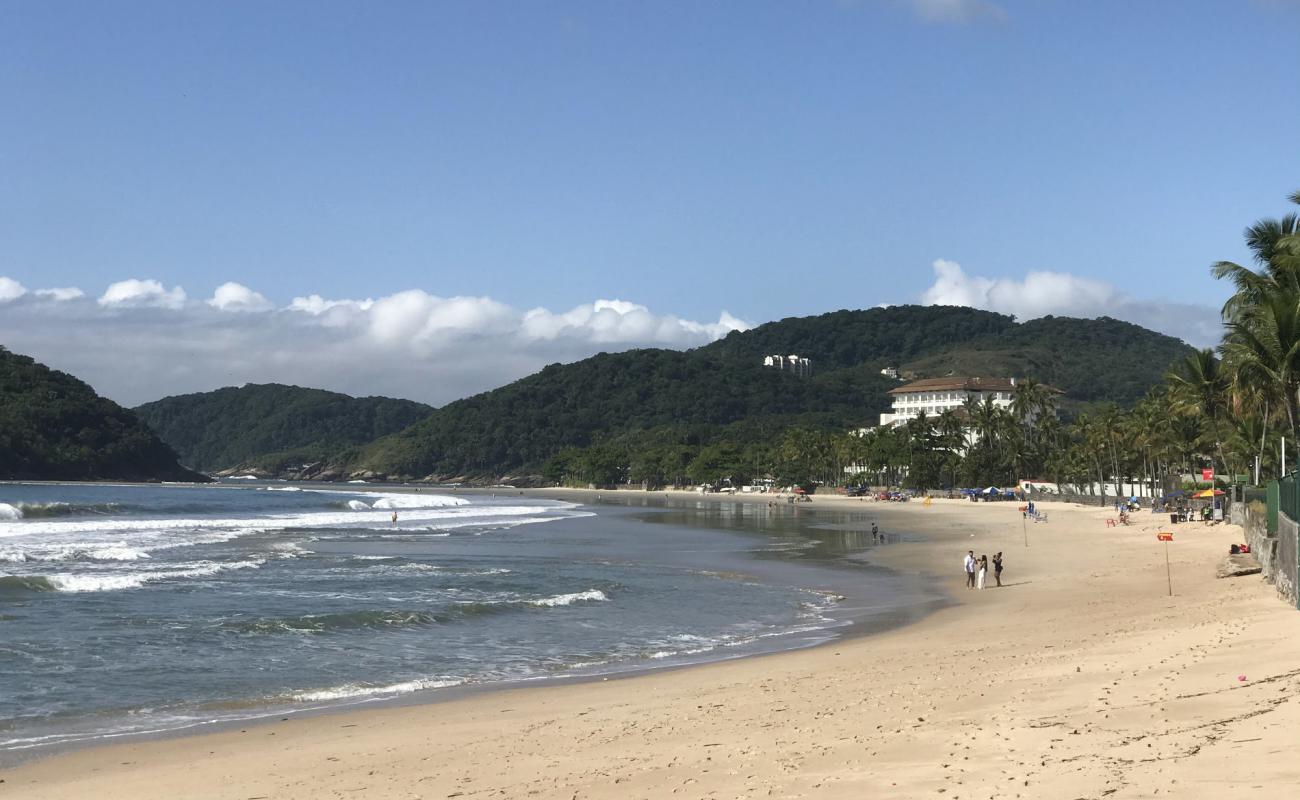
[
  {"x": 970, "y": 569},
  {"x": 984, "y": 569},
  {"x": 394, "y": 517},
  {"x": 997, "y": 568},
  {"x": 875, "y": 532}
]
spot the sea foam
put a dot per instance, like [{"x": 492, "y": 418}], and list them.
[
  {"x": 356, "y": 690},
  {"x": 594, "y": 595},
  {"x": 66, "y": 582}
]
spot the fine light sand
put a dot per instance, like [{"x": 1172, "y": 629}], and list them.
[{"x": 1081, "y": 678}]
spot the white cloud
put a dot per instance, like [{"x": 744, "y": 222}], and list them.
[
  {"x": 138, "y": 293},
  {"x": 62, "y": 294},
  {"x": 11, "y": 289},
  {"x": 317, "y": 305},
  {"x": 231, "y": 296},
  {"x": 956, "y": 11},
  {"x": 618, "y": 321},
  {"x": 1040, "y": 293},
  {"x": 139, "y": 342},
  {"x": 425, "y": 321}
]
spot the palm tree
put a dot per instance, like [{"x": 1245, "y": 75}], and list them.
[
  {"x": 1262, "y": 348},
  {"x": 952, "y": 438},
  {"x": 1030, "y": 400},
  {"x": 1273, "y": 243},
  {"x": 1198, "y": 388}
]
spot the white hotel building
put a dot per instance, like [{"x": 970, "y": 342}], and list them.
[{"x": 933, "y": 396}]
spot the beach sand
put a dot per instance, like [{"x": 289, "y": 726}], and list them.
[{"x": 1081, "y": 678}]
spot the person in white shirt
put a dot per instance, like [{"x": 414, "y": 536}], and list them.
[
  {"x": 970, "y": 569},
  {"x": 984, "y": 570}
]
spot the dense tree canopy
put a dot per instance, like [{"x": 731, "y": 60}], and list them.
[
  {"x": 54, "y": 427},
  {"x": 270, "y": 425},
  {"x": 697, "y": 395}
]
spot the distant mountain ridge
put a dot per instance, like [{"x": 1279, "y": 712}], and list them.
[
  {"x": 718, "y": 389},
  {"x": 274, "y": 428},
  {"x": 55, "y": 427},
  {"x": 519, "y": 426}
]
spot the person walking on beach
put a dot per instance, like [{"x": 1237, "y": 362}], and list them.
[
  {"x": 997, "y": 568},
  {"x": 970, "y": 569},
  {"x": 875, "y": 533},
  {"x": 394, "y": 517},
  {"x": 984, "y": 569}
]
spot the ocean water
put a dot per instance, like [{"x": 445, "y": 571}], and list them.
[{"x": 142, "y": 609}]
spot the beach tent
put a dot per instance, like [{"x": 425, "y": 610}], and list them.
[{"x": 991, "y": 490}]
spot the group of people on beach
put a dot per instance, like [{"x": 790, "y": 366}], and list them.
[{"x": 977, "y": 569}]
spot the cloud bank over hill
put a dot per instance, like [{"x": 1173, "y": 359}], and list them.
[
  {"x": 140, "y": 340},
  {"x": 1061, "y": 294}
]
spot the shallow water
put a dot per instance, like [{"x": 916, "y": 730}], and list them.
[{"x": 130, "y": 609}]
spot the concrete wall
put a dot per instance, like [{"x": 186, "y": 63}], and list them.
[
  {"x": 1277, "y": 554},
  {"x": 1287, "y": 563}
]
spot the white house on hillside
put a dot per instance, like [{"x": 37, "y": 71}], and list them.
[
  {"x": 933, "y": 396},
  {"x": 802, "y": 367}
]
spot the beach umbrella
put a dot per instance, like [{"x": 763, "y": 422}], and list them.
[
  {"x": 991, "y": 490},
  {"x": 1209, "y": 493}
]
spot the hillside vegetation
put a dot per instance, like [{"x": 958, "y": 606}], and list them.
[
  {"x": 273, "y": 427},
  {"x": 721, "y": 393},
  {"x": 54, "y": 427}
]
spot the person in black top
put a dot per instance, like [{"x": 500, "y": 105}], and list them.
[{"x": 997, "y": 568}]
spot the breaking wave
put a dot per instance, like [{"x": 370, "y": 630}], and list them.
[
  {"x": 46, "y": 510},
  {"x": 359, "y": 690},
  {"x": 108, "y": 582},
  {"x": 591, "y": 595}
]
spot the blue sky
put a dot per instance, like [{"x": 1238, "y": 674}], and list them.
[{"x": 766, "y": 159}]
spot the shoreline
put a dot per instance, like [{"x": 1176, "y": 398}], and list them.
[
  {"x": 848, "y": 625},
  {"x": 1086, "y": 679}
]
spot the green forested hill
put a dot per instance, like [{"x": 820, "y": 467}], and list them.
[
  {"x": 54, "y": 427},
  {"x": 1091, "y": 360},
  {"x": 522, "y": 425},
  {"x": 271, "y": 425},
  {"x": 840, "y": 339}
]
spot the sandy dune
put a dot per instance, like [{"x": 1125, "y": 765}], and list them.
[{"x": 1079, "y": 679}]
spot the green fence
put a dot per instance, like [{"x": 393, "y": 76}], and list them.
[
  {"x": 1272, "y": 507},
  {"x": 1286, "y": 573},
  {"x": 1288, "y": 500}
]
